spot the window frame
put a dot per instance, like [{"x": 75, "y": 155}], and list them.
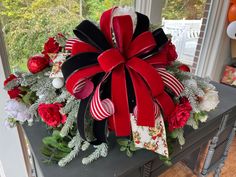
[{"x": 214, "y": 50}]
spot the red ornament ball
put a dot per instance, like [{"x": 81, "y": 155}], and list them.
[
  {"x": 184, "y": 68},
  {"x": 37, "y": 63}
]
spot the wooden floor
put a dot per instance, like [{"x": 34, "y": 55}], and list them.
[{"x": 229, "y": 170}]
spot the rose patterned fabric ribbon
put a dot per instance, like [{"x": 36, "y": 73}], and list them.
[{"x": 122, "y": 71}]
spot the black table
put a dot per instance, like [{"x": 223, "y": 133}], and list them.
[{"x": 143, "y": 163}]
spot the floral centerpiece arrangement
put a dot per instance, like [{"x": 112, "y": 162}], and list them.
[{"x": 119, "y": 77}]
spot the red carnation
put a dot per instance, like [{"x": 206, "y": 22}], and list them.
[
  {"x": 51, "y": 115},
  {"x": 10, "y": 78},
  {"x": 180, "y": 116},
  {"x": 15, "y": 92},
  {"x": 51, "y": 46}
]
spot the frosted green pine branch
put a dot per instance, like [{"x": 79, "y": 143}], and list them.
[
  {"x": 33, "y": 109},
  {"x": 205, "y": 84},
  {"x": 63, "y": 97},
  {"x": 101, "y": 151},
  {"x": 76, "y": 142},
  {"x": 70, "y": 120},
  {"x": 72, "y": 143},
  {"x": 28, "y": 79},
  {"x": 70, "y": 104},
  {"x": 85, "y": 146},
  {"x": 187, "y": 92}
]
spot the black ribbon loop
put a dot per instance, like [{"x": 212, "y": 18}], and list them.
[
  {"x": 142, "y": 24},
  {"x": 89, "y": 33},
  {"x": 77, "y": 62}
]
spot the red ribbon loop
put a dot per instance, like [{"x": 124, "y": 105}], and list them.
[
  {"x": 123, "y": 30},
  {"x": 105, "y": 24},
  {"x": 81, "y": 47},
  {"x": 141, "y": 44}
]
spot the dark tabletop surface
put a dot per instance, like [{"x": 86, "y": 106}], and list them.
[{"x": 117, "y": 163}]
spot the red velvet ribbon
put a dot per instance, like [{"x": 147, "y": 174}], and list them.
[{"x": 147, "y": 82}]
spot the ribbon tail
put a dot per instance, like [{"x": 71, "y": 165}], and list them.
[
  {"x": 156, "y": 136},
  {"x": 99, "y": 127},
  {"x": 145, "y": 105},
  {"x": 121, "y": 117},
  {"x": 162, "y": 144},
  {"x": 166, "y": 103}
]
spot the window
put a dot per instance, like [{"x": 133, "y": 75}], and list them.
[
  {"x": 186, "y": 20},
  {"x": 28, "y": 23}
]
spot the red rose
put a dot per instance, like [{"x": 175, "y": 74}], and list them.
[
  {"x": 10, "y": 78},
  {"x": 51, "y": 46},
  {"x": 51, "y": 115},
  {"x": 180, "y": 116},
  {"x": 14, "y": 93},
  {"x": 184, "y": 68},
  {"x": 171, "y": 52}
]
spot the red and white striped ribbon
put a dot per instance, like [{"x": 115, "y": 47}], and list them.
[
  {"x": 83, "y": 88},
  {"x": 79, "y": 86},
  {"x": 70, "y": 42},
  {"x": 156, "y": 110},
  {"x": 101, "y": 109},
  {"x": 170, "y": 81}
]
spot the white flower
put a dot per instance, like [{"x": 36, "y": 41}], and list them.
[
  {"x": 17, "y": 110},
  {"x": 209, "y": 101}
]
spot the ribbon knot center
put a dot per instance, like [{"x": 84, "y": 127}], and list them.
[{"x": 110, "y": 59}]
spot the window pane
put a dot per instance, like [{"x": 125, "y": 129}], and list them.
[
  {"x": 27, "y": 24},
  {"x": 183, "y": 20}
]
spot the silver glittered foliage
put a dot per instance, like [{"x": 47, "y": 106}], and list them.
[
  {"x": 41, "y": 84},
  {"x": 193, "y": 88}
]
